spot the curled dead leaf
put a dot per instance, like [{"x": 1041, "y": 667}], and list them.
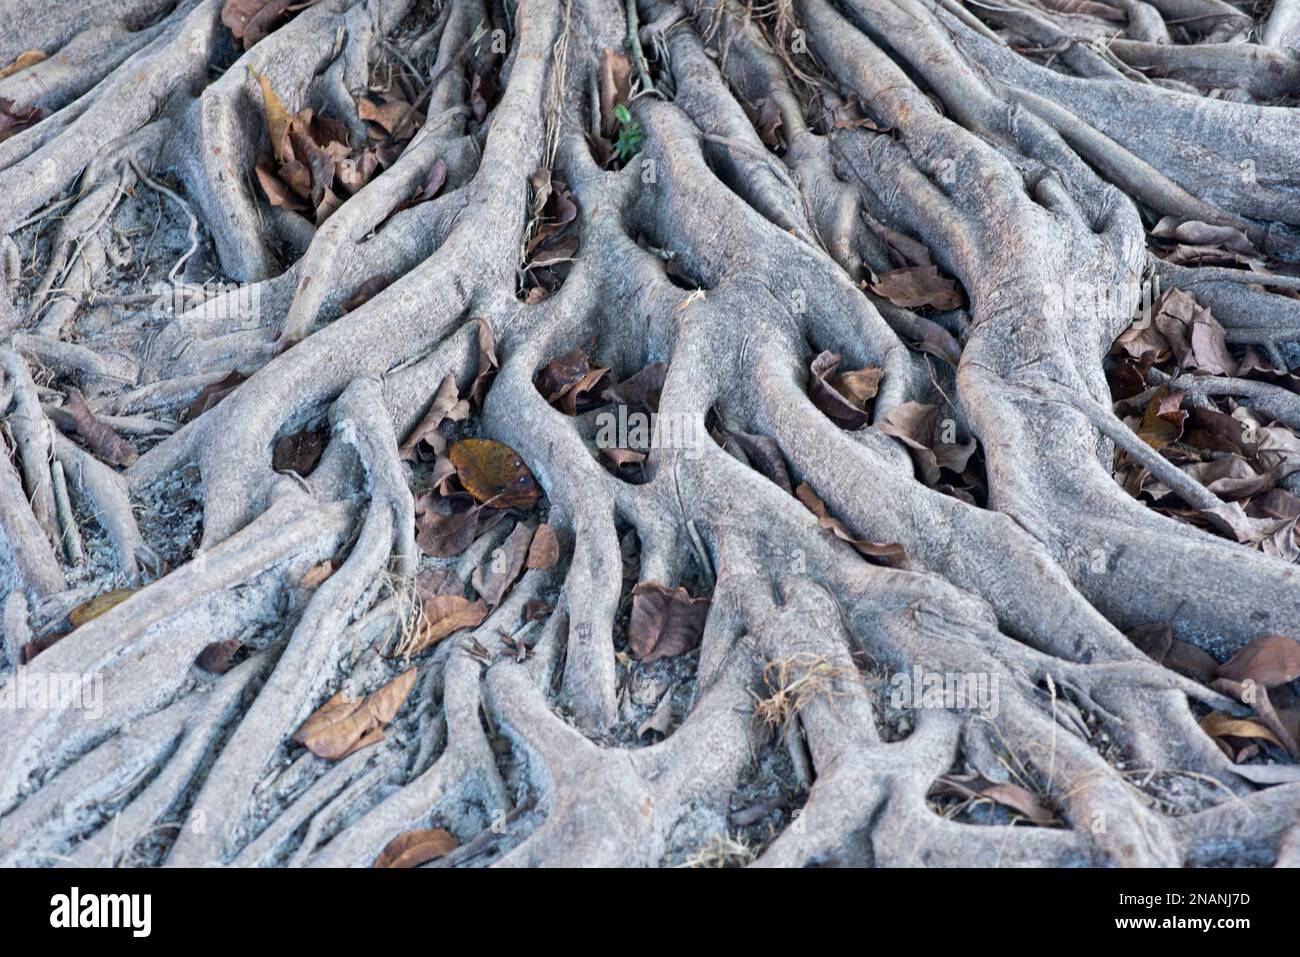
[
  {"x": 342, "y": 726},
  {"x": 99, "y": 438},
  {"x": 891, "y": 554},
  {"x": 494, "y": 578},
  {"x": 217, "y": 656},
  {"x": 416, "y": 847},
  {"x": 664, "y": 621},
  {"x": 443, "y": 615}
]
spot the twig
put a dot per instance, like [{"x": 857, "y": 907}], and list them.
[
  {"x": 68, "y": 533},
  {"x": 194, "y": 223},
  {"x": 638, "y": 55}
]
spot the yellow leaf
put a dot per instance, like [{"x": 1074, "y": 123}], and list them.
[
  {"x": 494, "y": 474},
  {"x": 277, "y": 117},
  {"x": 1221, "y": 726},
  {"x": 92, "y": 609},
  {"x": 25, "y": 59}
]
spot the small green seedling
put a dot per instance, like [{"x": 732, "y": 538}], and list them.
[{"x": 630, "y": 134}]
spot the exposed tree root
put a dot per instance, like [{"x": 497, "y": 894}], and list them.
[{"x": 776, "y": 162}]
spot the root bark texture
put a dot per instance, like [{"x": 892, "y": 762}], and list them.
[{"x": 719, "y": 190}]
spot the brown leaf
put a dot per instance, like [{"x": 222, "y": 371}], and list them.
[
  {"x": 341, "y": 726},
  {"x": 251, "y": 20},
  {"x": 301, "y": 451},
  {"x": 90, "y": 610},
  {"x": 212, "y": 394},
  {"x": 277, "y": 118},
  {"x": 915, "y": 286},
  {"x": 1011, "y": 796},
  {"x": 446, "y": 405},
  {"x": 487, "y": 364},
  {"x": 765, "y": 456},
  {"x": 1162, "y": 421},
  {"x": 664, "y": 622},
  {"x": 493, "y": 579},
  {"x": 416, "y": 847},
  {"x": 443, "y": 615},
  {"x": 615, "y": 88},
  {"x": 914, "y": 424},
  {"x": 316, "y": 575},
  {"x": 622, "y": 457},
  {"x": 893, "y": 555},
  {"x": 277, "y": 191},
  {"x": 365, "y": 292},
  {"x": 494, "y": 474},
  {"x": 443, "y": 536},
  {"x": 641, "y": 389},
  {"x": 99, "y": 438},
  {"x": 217, "y": 656},
  {"x": 537, "y": 609},
  {"x": 1269, "y": 661},
  {"x": 388, "y": 114},
  {"x": 544, "y": 552},
  {"x": 565, "y": 381},
  {"x": 14, "y": 119},
  {"x": 843, "y": 398}
]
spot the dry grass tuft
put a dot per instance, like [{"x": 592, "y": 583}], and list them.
[{"x": 790, "y": 684}]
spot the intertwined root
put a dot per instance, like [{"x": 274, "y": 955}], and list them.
[{"x": 1019, "y": 178}]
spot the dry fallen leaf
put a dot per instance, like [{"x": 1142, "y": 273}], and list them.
[
  {"x": 640, "y": 390},
  {"x": 916, "y": 425},
  {"x": 494, "y": 578},
  {"x": 765, "y": 455},
  {"x": 316, "y": 575},
  {"x": 14, "y": 118},
  {"x": 23, "y": 61},
  {"x": 90, "y": 610},
  {"x": 544, "y": 551},
  {"x": 1162, "y": 421},
  {"x": 300, "y": 451},
  {"x": 916, "y": 286},
  {"x": 446, "y": 406},
  {"x": 217, "y": 656},
  {"x": 99, "y": 438},
  {"x": 844, "y": 397},
  {"x": 487, "y": 364},
  {"x": 443, "y": 615},
  {"x": 416, "y": 847},
  {"x": 341, "y": 726},
  {"x": 1220, "y": 726},
  {"x": 211, "y": 394},
  {"x": 443, "y": 536},
  {"x": 1011, "y": 796},
  {"x": 1269, "y": 661},
  {"x": 494, "y": 474},
  {"x": 566, "y": 381},
  {"x": 893, "y": 555},
  {"x": 251, "y": 20},
  {"x": 664, "y": 621},
  {"x": 365, "y": 292}
]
